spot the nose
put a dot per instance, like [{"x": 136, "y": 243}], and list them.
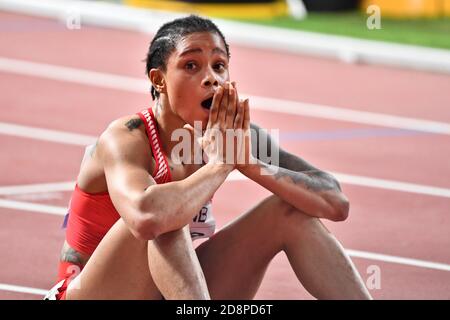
[{"x": 210, "y": 80}]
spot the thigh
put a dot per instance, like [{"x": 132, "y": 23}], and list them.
[
  {"x": 118, "y": 269},
  {"x": 234, "y": 260}
]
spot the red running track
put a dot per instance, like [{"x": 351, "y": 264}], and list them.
[{"x": 389, "y": 222}]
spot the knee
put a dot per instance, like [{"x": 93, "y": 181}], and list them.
[
  {"x": 172, "y": 238},
  {"x": 280, "y": 206},
  {"x": 287, "y": 214}
]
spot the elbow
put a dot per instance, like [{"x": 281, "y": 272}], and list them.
[
  {"x": 342, "y": 211},
  {"x": 145, "y": 225},
  {"x": 338, "y": 205},
  {"x": 339, "y": 209}
]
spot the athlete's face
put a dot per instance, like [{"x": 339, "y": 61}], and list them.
[{"x": 195, "y": 69}]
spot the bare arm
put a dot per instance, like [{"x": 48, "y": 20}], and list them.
[
  {"x": 150, "y": 209},
  {"x": 305, "y": 187}
]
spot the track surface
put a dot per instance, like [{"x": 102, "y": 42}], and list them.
[{"x": 388, "y": 222}]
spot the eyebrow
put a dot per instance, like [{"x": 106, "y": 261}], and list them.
[{"x": 199, "y": 50}]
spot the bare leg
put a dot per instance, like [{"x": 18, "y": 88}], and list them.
[
  {"x": 320, "y": 262},
  {"x": 119, "y": 268},
  {"x": 167, "y": 256},
  {"x": 235, "y": 259}
]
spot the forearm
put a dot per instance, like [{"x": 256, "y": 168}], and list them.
[
  {"x": 174, "y": 204},
  {"x": 314, "y": 192}
]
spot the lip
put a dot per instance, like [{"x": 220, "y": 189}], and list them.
[
  {"x": 210, "y": 96},
  {"x": 212, "y": 93},
  {"x": 206, "y": 111}
]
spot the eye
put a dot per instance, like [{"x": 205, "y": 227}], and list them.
[
  {"x": 220, "y": 66},
  {"x": 190, "y": 65}
]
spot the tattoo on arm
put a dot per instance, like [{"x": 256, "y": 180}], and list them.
[
  {"x": 295, "y": 168},
  {"x": 311, "y": 180},
  {"x": 133, "y": 124},
  {"x": 296, "y": 165}
]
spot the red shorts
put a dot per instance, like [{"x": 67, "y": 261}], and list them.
[{"x": 67, "y": 271}]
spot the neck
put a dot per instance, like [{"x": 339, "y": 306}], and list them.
[{"x": 167, "y": 122}]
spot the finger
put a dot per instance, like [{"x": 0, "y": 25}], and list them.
[
  {"x": 213, "y": 112},
  {"x": 237, "y": 95},
  {"x": 223, "y": 104},
  {"x": 231, "y": 109},
  {"x": 246, "y": 125},
  {"x": 235, "y": 89},
  {"x": 239, "y": 120}
]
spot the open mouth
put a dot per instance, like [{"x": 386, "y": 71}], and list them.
[{"x": 207, "y": 103}]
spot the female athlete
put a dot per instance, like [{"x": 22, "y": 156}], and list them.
[{"x": 138, "y": 204}]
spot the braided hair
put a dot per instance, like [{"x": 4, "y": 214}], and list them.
[{"x": 167, "y": 37}]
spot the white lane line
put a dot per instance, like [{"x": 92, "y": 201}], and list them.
[
  {"x": 392, "y": 185},
  {"x": 373, "y": 183},
  {"x": 81, "y": 76},
  {"x": 20, "y": 289},
  {"x": 37, "y": 188},
  {"x": 46, "y": 134},
  {"x": 398, "y": 260},
  {"x": 38, "y": 208},
  {"x": 353, "y": 253},
  {"x": 36, "y": 197},
  {"x": 237, "y": 176},
  {"x": 355, "y": 116},
  {"x": 83, "y": 140},
  {"x": 33, "y": 207},
  {"x": 118, "y": 82}
]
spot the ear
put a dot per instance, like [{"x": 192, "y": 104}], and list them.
[{"x": 158, "y": 81}]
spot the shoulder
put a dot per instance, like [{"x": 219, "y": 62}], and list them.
[
  {"x": 130, "y": 128},
  {"x": 124, "y": 138}
]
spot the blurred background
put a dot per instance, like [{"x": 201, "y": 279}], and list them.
[{"x": 421, "y": 22}]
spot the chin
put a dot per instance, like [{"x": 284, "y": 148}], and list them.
[{"x": 203, "y": 121}]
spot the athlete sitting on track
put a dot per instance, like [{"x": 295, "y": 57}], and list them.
[{"x": 136, "y": 209}]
